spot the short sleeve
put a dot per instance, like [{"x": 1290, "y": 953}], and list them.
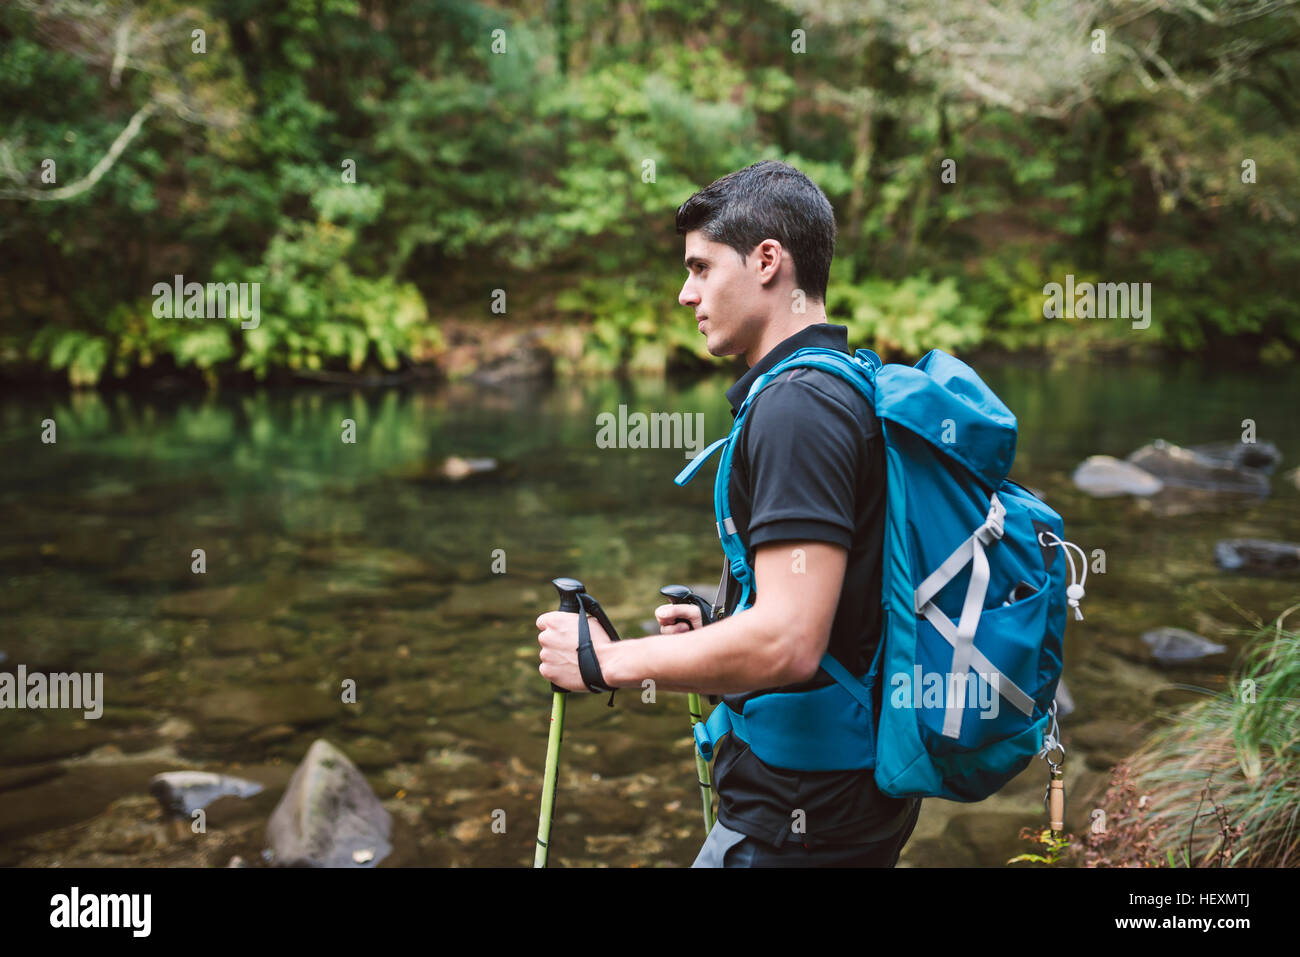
[{"x": 803, "y": 448}]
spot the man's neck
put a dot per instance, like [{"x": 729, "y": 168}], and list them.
[{"x": 777, "y": 331}]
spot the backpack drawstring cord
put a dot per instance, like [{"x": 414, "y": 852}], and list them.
[{"x": 1074, "y": 594}]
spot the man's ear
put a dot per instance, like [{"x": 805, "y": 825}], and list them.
[{"x": 771, "y": 254}]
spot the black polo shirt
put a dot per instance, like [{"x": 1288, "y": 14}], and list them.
[{"x": 809, "y": 466}]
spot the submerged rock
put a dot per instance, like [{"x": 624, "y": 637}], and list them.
[
  {"x": 1176, "y": 646},
  {"x": 1105, "y": 476},
  {"x": 456, "y": 468},
  {"x": 1186, "y": 468},
  {"x": 181, "y": 793},
  {"x": 1263, "y": 456},
  {"x": 1257, "y": 555},
  {"x": 329, "y": 816}
]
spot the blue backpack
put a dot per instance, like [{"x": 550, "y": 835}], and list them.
[{"x": 974, "y": 596}]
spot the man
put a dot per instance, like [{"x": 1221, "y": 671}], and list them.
[{"x": 807, "y": 496}]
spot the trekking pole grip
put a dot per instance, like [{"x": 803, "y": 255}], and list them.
[
  {"x": 569, "y": 589},
  {"x": 681, "y": 595}
]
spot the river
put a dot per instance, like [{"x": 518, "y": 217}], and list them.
[{"x": 326, "y": 561}]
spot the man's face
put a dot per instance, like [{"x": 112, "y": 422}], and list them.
[{"x": 723, "y": 292}]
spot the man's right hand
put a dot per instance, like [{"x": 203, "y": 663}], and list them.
[{"x": 667, "y": 614}]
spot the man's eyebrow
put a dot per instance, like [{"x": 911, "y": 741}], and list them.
[{"x": 695, "y": 261}]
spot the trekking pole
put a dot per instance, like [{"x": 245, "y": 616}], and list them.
[
  {"x": 681, "y": 595},
  {"x": 569, "y": 589},
  {"x": 573, "y": 598}
]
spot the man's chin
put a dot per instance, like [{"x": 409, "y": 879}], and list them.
[{"x": 718, "y": 349}]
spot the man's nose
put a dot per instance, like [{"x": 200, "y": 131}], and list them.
[{"x": 687, "y": 296}]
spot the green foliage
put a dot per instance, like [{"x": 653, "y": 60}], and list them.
[
  {"x": 559, "y": 163},
  {"x": 910, "y": 316},
  {"x": 1220, "y": 774},
  {"x": 636, "y": 323},
  {"x": 1054, "y": 848}
]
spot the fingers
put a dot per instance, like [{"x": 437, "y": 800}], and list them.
[{"x": 667, "y": 616}]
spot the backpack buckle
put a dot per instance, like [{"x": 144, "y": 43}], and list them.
[{"x": 992, "y": 528}]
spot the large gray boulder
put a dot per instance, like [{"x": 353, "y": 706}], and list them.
[
  {"x": 1185, "y": 468},
  {"x": 1104, "y": 477},
  {"x": 329, "y": 816}
]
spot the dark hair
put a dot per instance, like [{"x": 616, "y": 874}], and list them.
[{"x": 769, "y": 200}]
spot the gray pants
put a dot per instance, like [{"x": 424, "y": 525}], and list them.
[{"x": 727, "y": 848}]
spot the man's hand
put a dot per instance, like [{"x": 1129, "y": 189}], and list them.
[
  {"x": 667, "y": 614},
  {"x": 558, "y": 636}
]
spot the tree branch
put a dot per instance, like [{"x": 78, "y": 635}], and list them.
[{"x": 90, "y": 179}]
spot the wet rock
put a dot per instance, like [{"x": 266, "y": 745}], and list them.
[
  {"x": 1253, "y": 555},
  {"x": 235, "y": 638},
  {"x": 1184, "y": 468},
  {"x": 13, "y": 778},
  {"x": 370, "y": 752},
  {"x": 1104, "y": 742},
  {"x": 260, "y": 706},
  {"x": 75, "y": 796},
  {"x": 272, "y": 735},
  {"x": 56, "y": 739},
  {"x": 87, "y": 547},
  {"x": 174, "y": 729},
  {"x": 388, "y": 563},
  {"x": 202, "y": 602},
  {"x": 971, "y": 839},
  {"x": 1104, "y": 476},
  {"x": 527, "y": 359},
  {"x": 1263, "y": 456},
  {"x": 181, "y": 793},
  {"x": 495, "y": 599},
  {"x": 1175, "y": 646},
  {"x": 432, "y": 696},
  {"x": 456, "y": 468},
  {"x": 329, "y": 816}
]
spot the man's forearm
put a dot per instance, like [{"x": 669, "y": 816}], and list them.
[{"x": 733, "y": 655}]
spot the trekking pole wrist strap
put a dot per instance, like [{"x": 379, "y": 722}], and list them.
[{"x": 588, "y": 664}]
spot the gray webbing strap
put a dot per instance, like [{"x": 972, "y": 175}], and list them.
[
  {"x": 963, "y": 635},
  {"x": 1005, "y": 686}
]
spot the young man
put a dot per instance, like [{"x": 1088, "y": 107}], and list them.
[{"x": 807, "y": 496}]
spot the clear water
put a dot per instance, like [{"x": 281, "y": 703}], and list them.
[{"x": 329, "y": 561}]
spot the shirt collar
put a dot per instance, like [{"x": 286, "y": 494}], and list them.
[{"x": 820, "y": 334}]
